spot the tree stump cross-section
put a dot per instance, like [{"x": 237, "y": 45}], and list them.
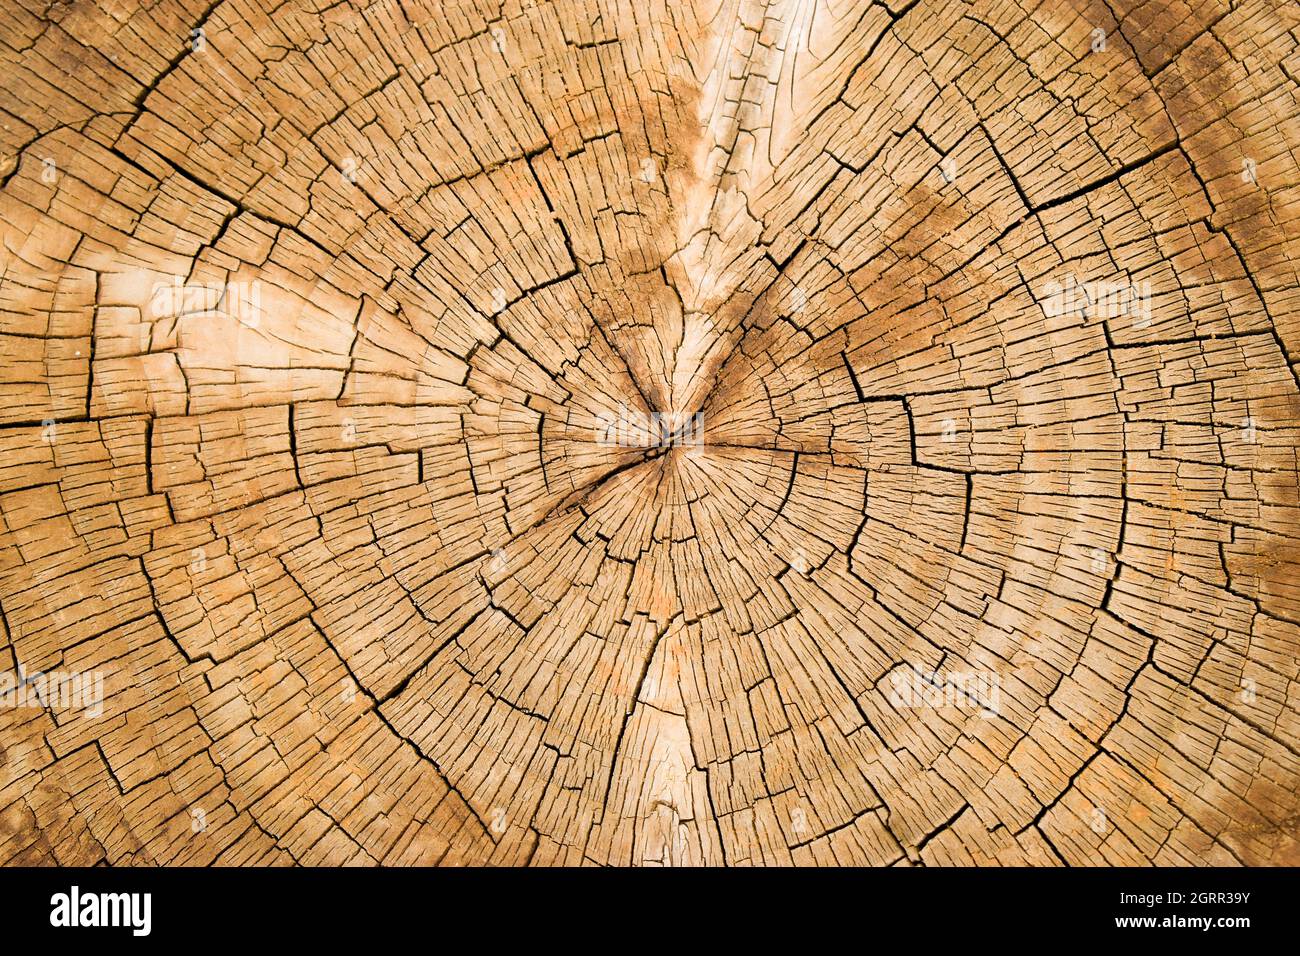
[{"x": 565, "y": 432}]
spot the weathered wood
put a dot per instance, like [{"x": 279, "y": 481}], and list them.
[{"x": 593, "y": 432}]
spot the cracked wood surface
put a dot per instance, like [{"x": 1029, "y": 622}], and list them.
[{"x": 332, "y": 516}]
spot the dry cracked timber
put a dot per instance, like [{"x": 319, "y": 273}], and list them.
[{"x": 950, "y": 515}]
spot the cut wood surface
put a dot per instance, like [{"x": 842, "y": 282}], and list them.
[{"x": 663, "y": 432}]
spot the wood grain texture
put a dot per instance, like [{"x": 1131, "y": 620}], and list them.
[{"x": 982, "y": 320}]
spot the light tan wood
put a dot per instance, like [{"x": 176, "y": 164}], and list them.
[{"x": 330, "y": 340}]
